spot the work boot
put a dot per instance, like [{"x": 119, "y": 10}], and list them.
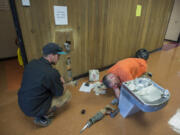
[{"x": 42, "y": 121}]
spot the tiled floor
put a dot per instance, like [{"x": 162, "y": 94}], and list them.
[{"x": 165, "y": 67}]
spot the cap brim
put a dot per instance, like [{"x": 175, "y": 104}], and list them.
[{"x": 62, "y": 53}]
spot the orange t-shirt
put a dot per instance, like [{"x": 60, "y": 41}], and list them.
[{"x": 129, "y": 69}]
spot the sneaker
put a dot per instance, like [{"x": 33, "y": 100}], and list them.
[{"x": 42, "y": 121}]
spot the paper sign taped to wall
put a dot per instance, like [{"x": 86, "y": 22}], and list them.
[
  {"x": 138, "y": 10},
  {"x": 60, "y": 15},
  {"x": 25, "y": 2}
]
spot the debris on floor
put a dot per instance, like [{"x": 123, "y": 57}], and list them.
[
  {"x": 93, "y": 75},
  {"x": 83, "y": 111},
  {"x": 72, "y": 83},
  {"x": 115, "y": 101},
  {"x": 174, "y": 122},
  {"x": 99, "y": 88},
  {"x": 86, "y": 87}
]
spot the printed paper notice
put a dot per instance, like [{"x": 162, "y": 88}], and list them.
[
  {"x": 60, "y": 15},
  {"x": 138, "y": 10},
  {"x": 85, "y": 88},
  {"x": 25, "y": 2}
]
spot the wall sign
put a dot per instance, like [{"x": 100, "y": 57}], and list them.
[
  {"x": 26, "y": 3},
  {"x": 60, "y": 15},
  {"x": 138, "y": 10}
]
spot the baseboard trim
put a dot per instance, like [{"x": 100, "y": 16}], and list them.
[
  {"x": 8, "y": 58},
  {"x": 171, "y": 40},
  {"x": 86, "y": 74},
  {"x": 155, "y": 50}
]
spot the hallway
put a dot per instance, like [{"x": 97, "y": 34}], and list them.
[{"x": 165, "y": 67}]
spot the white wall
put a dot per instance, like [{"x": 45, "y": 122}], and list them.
[{"x": 174, "y": 23}]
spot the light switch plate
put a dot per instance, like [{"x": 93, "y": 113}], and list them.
[{"x": 26, "y": 2}]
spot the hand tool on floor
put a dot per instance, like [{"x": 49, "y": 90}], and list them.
[
  {"x": 115, "y": 101},
  {"x": 107, "y": 110},
  {"x": 92, "y": 120},
  {"x": 114, "y": 113}
]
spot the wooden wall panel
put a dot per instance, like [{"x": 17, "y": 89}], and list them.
[
  {"x": 156, "y": 19},
  {"x": 61, "y": 37},
  {"x": 8, "y": 47},
  {"x": 103, "y": 31}
]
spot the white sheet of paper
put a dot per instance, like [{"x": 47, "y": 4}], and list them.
[
  {"x": 60, "y": 15},
  {"x": 174, "y": 122},
  {"x": 25, "y": 2},
  {"x": 85, "y": 88}
]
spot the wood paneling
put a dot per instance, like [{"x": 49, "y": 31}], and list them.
[
  {"x": 103, "y": 31},
  {"x": 61, "y": 37},
  {"x": 8, "y": 47}
]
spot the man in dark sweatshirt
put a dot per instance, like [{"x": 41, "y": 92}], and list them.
[{"x": 42, "y": 90}]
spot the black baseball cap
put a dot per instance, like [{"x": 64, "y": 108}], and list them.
[{"x": 52, "y": 48}]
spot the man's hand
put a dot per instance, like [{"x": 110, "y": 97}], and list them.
[
  {"x": 62, "y": 80},
  {"x": 117, "y": 92}
]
